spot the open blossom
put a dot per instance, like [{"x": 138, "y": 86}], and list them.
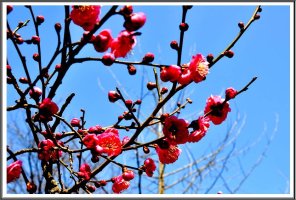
[
  {"x": 47, "y": 151},
  {"x": 14, "y": 170},
  {"x": 199, "y": 68},
  {"x": 149, "y": 167},
  {"x": 85, "y": 16},
  {"x": 200, "y": 127},
  {"x": 103, "y": 41},
  {"x": 123, "y": 44},
  {"x": 168, "y": 155},
  {"x": 119, "y": 184},
  {"x": 47, "y": 109},
  {"x": 84, "y": 171},
  {"x": 170, "y": 73},
  {"x": 90, "y": 141},
  {"x": 109, "y": 142},
  {"x": 219, "y": 110},
  {"x": 175, "y": 130}
]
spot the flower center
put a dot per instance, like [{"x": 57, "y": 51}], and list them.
[
  {"x": 173, "y": 129},
  {"x": 202, "y": 69}
]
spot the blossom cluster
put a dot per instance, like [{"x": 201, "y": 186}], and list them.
[
  {"x": 106, "y": 142},
  {"x": 88, "y": 17}
]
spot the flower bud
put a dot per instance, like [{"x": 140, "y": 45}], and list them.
[
  {"x": 210, "y": 58},
  {"x": 35, "y": 39},
  {"x": 58, "y": 27},
  {"x": 31, "y": 187},
  {"x": 95, "y": 129},
  {"x": 135, "y": 21},
  {"x": 126, "y": 10},
  {"x": 151, "y": 85},
  {"x": 108, "y": 59},
  {"x": 230, "y": 93},
  {"x": 257, "y": 16},
  {"x": 128, "y": 175},
  {"x": 39, "y": 19},
  {"x": 129, "y": 103},
  {"x": 35, "y": 93},
  {"x": 229, "y": 53},
  {"x": 8, "y": 69},
  {"x": 183, "y": 26},
  {"x": 91, "y": 188},
  {"x": 138, "y": 102},
  {"x": 164, "y": 116},
  {"x": 102, "y": 182},
  {"x": 36, "y": 57},
  {"x": 149, "y": 57},
  {"x": 58, "y": 136},
  {"x": 23, "y": 80},
  {"x": 9, "y": 8},
  {"x": 58, "y": 67},
  {"x": 174, "y": 45},
  {"x": 75, "y": 122},
  {"x": 164, "y": 90},
  {"x": 131, "y": 69},
  {"x": 146, "y": 150},
  {"x": 19, "y": 40},
  {"x": 241, "y": 25},
  {"x": 113, "y": 96}
]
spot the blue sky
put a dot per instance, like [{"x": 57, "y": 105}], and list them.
[{"x": 263, "y": 51}]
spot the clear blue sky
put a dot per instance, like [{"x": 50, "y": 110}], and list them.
[{"x": 263, "y": 51}]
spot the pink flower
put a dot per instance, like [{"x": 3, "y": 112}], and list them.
[
  {"x": 103, "y": 41},
  {"x": 119, "y": 184},
  {"x": 230, "y": 93},
  {"x": 47, "y": 109},
  {"x": 168, "y": 155},
  {"x": 110, "y": 142},
  {"x": 170, "y": 73},
  {"x": 14, "y": 170},
  {"x": 200, "y": 127},
  {"x": 85, "y": 16},
  {"x": 219, "y": 109},
  {"x": 185, "y": 77},
  {"x": 90, "y": 141},
  {"x": 84, "y": 171},
  {"x": 47, "y": 151},
  {"x": 199, "y": 68},
  {"x": 123, "y": 44},
  {"x": 135, "y": 21},
  {"x": 149, "y": 167},
  {"x": 175, "y": 130}
]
